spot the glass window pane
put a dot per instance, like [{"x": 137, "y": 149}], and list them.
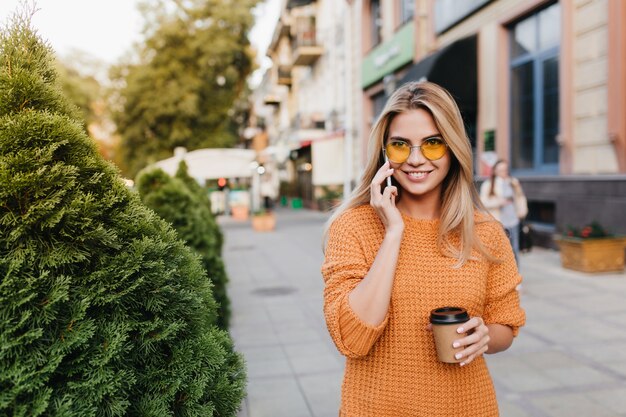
[
  {"x": 376, "y": 22},
  {"x": 407, "y": 9},
  {"x": 522, "y": 116},
  {"x": 524, "y": 37},
  {"x": 550, "y": 110},
  {"x": 550, "y": 27},
  {"x": 378, "y": 101}
]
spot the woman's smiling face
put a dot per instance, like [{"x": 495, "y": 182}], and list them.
[{"x": 418, "y": 176}]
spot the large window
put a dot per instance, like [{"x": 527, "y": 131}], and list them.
[
  {"x": 407, "y": 10},
  {"x": 376, "y": 22},
  {"x": 535, "y": 92},
  {"x": 378, "y": 102}
]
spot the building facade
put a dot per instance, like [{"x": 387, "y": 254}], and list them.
[
  {"x": 540, "y": 83},
  {"x": 306, "y": 89}
]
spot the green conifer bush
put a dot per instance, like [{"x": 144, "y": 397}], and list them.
[
  {"x": 103, "y": 309},
  {"x": 189, "y": 214},
  {"x": 182, "y": 173}
]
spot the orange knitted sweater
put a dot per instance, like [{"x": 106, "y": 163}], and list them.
[{"x": 392, "y": 369}]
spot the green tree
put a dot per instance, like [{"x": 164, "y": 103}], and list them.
[
  {"x": 191, "y": 70},
  {"x": 103, "y": 310},
  {"x": 82, "y": 90},
  {"x": 186, "y": 210}
]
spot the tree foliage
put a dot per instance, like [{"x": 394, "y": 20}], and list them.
[
  {"x": 82, "y": 90},
  {"x": 103, "y": 310},
  {"x": 181, "y": 202},
  {"x": 191, "y": 70}
]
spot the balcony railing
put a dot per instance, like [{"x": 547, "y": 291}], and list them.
[
  {"x": 306, "y": 49},
  {"x": 271, "y": 100},
  {"x": 284, "y": 75},
  {"x": 298, "y": 3}
]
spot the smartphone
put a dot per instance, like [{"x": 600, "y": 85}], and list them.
[{"x": 389, "y": 177}]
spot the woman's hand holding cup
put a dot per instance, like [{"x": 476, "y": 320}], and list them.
[{"x": 475, "y": 344}]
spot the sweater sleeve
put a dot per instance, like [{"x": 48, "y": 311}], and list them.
[
  {"x": 503, "y": 301},
  {"x": 345, "y": 265}
]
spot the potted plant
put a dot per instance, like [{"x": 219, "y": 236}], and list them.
[
  {"x": 591, "y": 249},
  {"x": 263, "y": 221},
  {"x": 239, "y": 211},
  {"x": 289, "y": 195}
]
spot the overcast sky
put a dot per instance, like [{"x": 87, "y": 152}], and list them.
[{"x": 106, "y": 29}]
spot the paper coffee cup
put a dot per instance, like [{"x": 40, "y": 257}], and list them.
[{"x": 445, "y": 321}]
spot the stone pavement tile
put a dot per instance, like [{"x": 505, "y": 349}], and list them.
[
  {"x": 323, "y": 392},
  {"x": 583, "y": 330},
  {"x": 578, "y": 376},
  {"x": 298, "y": 332},
  {"x": 528, "y": 380},
  {"x": 238, "y": 269},
  {"x": 511, "y": 409},
  {"x": 526, "y": 342},
  {"x": 609, "y": 352},
  {"x": 283, "y": 312},
  {"x": 571, "y": 405},
  {"x": 537, "y": 309},
  {"x": 612, "y": 398},
  {"x": 250, "y": 316},
  {"x": 619, "y": 368},
  {"x": 276, "y": 397},
  {"x": 265, "y": 361},
  {"x": 514, "y": 375},
  {"x": 246, "y": 335},
  {"x": 552, "y": 289},
  {"x": 548, "y": 359},
  {"x": 614, "y": 282},
  {"x": 595, "y": 303},
  {"x": 313, "y": 358}
]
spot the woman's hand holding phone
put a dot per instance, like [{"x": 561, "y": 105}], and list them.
[
  {"x": 384, "y": 201},
  {"x": 389, "y": 177}
]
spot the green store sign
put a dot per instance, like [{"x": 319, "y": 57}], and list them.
[{"x": 387, "y": 57}]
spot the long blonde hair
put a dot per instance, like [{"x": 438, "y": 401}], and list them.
[{"x": 459, "y": 196}]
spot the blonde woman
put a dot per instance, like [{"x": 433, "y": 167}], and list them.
[{"x": 395, "y": 252}]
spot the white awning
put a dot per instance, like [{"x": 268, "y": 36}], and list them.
[{"x": 212, "y": 163}]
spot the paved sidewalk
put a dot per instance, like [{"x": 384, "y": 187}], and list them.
[{"x": 569, "y": 360}]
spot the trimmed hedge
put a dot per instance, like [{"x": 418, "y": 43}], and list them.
[
  {"x": 103, "y": 310},
  {"x": 187, "y": 210}
]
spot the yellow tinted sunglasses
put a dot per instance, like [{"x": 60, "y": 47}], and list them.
[{"x": 398, "y": 151}]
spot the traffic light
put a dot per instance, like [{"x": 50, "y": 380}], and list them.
[{"x": 221, "y": 183}]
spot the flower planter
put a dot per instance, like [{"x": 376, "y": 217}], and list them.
[
  {"x": 592, "y": 254},
  {"x": 263, "y": 222},
  {"x": 239, "y": 212}
]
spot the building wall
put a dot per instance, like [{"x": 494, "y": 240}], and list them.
[
  {"x": 354, "y": 127},
  {"x": 590, "y": 147},
  {"x": 590, "y": 182},
  {"x": 314, "y": 107},
  {"x": 593, "y": 152},
  {"x": 487, "y": 88},
  {"x": 320, "y": 85}
]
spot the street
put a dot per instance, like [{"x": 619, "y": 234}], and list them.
[{"x": 569, "y": 359}]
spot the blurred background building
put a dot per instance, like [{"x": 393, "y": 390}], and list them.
[{"x": 540, "y": 83}]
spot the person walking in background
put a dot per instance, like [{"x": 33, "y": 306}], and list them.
[
  {"x": 410, "y": 239},
  {"x": 503, "y": 196}
]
